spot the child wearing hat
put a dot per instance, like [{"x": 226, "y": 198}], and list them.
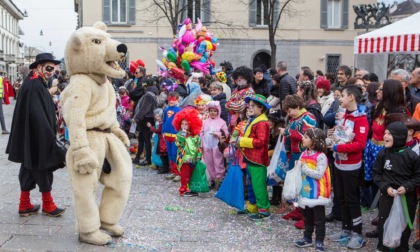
[
  {"x": 254, "y": 146},
  {"x": 396, "y": 171},
  {"x": 222, "y": 78}
]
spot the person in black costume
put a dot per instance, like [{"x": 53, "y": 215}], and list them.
[{"x": 32, "y": 140}]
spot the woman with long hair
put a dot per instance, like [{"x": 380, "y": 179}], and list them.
[{"x": 307, "y": 91}]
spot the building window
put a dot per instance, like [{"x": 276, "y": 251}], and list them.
[
  {"x": 332, "y": 63},
  {"x": 262, "y": 12},
  {"x": 194, "y": 10},
  {"x": 334, "y": 14},
  {"x": 119, "y": 11}
]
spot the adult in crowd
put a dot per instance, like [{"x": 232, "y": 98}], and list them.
[
  {"x": 32, "y": 141},
  {"x": 370, "y": 77},
  {"x": 259, "y": 84},
  {"x": 228, "y": 69},
  {"x": 143, "y": 115},
  {"x": 415, "y": 82},
  {"x": 371, "y": 89},
  {"x": 404, "y": 77},
  {"x": 360, "y": 73},
  {"x": 343, "y": 74},
  {"x": 307, "y": 91},
  {"x": 267, "y": 75},
  {"x": 16, "y": 86},
  {"x": 365, "y": 99},
  {"x": 325, "y": 96},
  {"x": 136, "y": 88},
  {"x": 2, "y": 96},
  {"x": 288, "y": 84}
]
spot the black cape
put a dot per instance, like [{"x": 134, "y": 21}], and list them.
[{"x": 32, "y": 140}]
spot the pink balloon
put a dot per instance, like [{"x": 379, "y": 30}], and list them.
[
  {"x": 188, "y": 37},
  {"x": 202, "y": 67},
  {"x": 181, "y": 49}
]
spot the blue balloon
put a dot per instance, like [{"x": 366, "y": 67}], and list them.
[
  {"x": 201, "y": 47},
  {"x": 214, "y": 40},
  {"x": 203, "y": 59}
]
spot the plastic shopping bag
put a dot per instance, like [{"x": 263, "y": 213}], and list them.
[
  {"x": 292, "y": 183},
  {"x": 133, "y": 128},
  {"x": 277, "y": 169},
  {"x": 394, "y": 224},
  {"x": 155, "y": 157},
  {"x": 232, "y": 189},
  {"x": 198, "y": 180}
]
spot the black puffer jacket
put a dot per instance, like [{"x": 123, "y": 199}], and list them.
[
  {"x": 288, "y": 86},
  {"x": 261, "y": 88}
]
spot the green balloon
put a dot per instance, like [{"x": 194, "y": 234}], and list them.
[
  {"x": 185, "y": 65},
  {"x": 171, "y": 56}
]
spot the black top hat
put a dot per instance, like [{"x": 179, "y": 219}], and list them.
[{"x": 42, "y": 58}]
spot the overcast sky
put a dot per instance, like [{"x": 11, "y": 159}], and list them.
[{"x": 56, "y": 19}]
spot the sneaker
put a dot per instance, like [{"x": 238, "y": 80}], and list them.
[
  {"x": 303, "y": 243},
  {"x": 259, "y": 216},
  {"x": 170, "y": 176},
  {"x": 319, "y": 246},
  {"x": 136, "y": 161},
  {"x": 357, "y": 241},
  {"x": 340, "y": 236},
  {"x": 145, "y": 163},
  {"x": 190, "y": 194},
  {"x": 176, "y": 178}
]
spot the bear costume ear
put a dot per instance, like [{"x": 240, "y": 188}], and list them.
[{"x": 100, "y": 25}]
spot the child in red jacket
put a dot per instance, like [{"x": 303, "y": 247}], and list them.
[
  {"x": 348, "y": 142},
  {"x": 254, "y": 146}
]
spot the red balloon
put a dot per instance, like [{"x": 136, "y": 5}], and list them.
[
  {"x": 214, "y": 47},
  {"x": 201, "y": 38},
  {"x": 208, "y": 38}
]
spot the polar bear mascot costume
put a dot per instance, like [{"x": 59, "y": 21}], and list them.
[{"x": 88, "y": 105}]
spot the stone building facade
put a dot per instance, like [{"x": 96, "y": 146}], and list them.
[{"x": 318, "y": 34}]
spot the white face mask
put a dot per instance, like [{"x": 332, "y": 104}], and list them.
[{"x": 241, "y": 82}]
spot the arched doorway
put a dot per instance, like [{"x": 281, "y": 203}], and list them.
[{"x": 261, "y": 58}]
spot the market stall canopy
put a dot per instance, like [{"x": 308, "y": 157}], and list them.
[{"x": 402, "y": 36}]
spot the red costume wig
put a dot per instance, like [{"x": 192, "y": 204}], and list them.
[{"x": 191, "y": 116}]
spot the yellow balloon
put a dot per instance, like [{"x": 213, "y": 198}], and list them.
[
  {"x": 165, "y": 62},
  {"x": 171, "y": 65},
  {"x": 188, "y": 56},
  {"x": 209, "y": 45}
]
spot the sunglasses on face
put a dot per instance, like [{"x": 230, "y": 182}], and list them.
[{"x": 49, "y": 69}]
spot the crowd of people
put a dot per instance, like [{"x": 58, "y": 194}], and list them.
[
  {"x": 351, "y": 136},
  {"x": 345, "y": 132}
]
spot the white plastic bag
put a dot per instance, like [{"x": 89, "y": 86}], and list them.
[
  {"x": 394, "y": 224},
  {"x": 133, "y": 128},
  {"x": 293, "y": 183},
  {"x": 272, "y": 178}
]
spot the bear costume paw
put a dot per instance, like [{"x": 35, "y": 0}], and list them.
[
  {"x": 113, "y": 230},
  {"x": 97, "y": 238},
  {"x": 120, "y": 134},
  {"x": 85, "y": 160}
]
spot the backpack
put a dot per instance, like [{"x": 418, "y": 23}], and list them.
[{"x": 315, "y": 110}]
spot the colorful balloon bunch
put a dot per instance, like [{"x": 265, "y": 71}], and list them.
[
  {"x": 192, "y": 49},
  {"x": 135, "y": 64}
]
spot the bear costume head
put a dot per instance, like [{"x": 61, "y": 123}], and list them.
[{"x": 91, "y": 51}]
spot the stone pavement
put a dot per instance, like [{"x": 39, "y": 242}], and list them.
[{"x": 156, "y": 219}]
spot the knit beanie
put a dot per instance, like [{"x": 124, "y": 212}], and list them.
[
  {"x": 324, "y": 84},
  {"x": 399, "y": 133}
]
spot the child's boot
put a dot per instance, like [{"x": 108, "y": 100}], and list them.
[{"x": 25, "y": 206}]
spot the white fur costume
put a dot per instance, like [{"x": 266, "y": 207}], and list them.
[{"x": 88, "y": 102}]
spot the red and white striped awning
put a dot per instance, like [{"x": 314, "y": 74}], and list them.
[{"x": 402, "y": 36}]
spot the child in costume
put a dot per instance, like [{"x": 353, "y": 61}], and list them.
[
  {"x": 239, "y": 131},
  {"x": 300, "y": 120},
  {"x": 188, "y": 125},
  {"x": 254, "y": 146},
  {"x": 213, "y": 127},
  {"x": 243, "y": 78},
  {"x": 316, "y": 187},
  {"x": 200, "y": 104},
  {"x": 396, "y": 171},
  {"x": 169, "y": 133},
  {"x": 160, "y": 152}
]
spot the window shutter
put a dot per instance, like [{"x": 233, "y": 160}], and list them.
[
  {"x": 252, "y": 12},
  {"x": 324, "y": 14},
  {"x": 206, "y": 12},
  {"x": 276, "y": 11},
  {"x": 106, "y": 11},
  {"x": 182, "y": 10},
  {"x": 345, "y": 15},
  {"x": 132, "y": 12}
]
